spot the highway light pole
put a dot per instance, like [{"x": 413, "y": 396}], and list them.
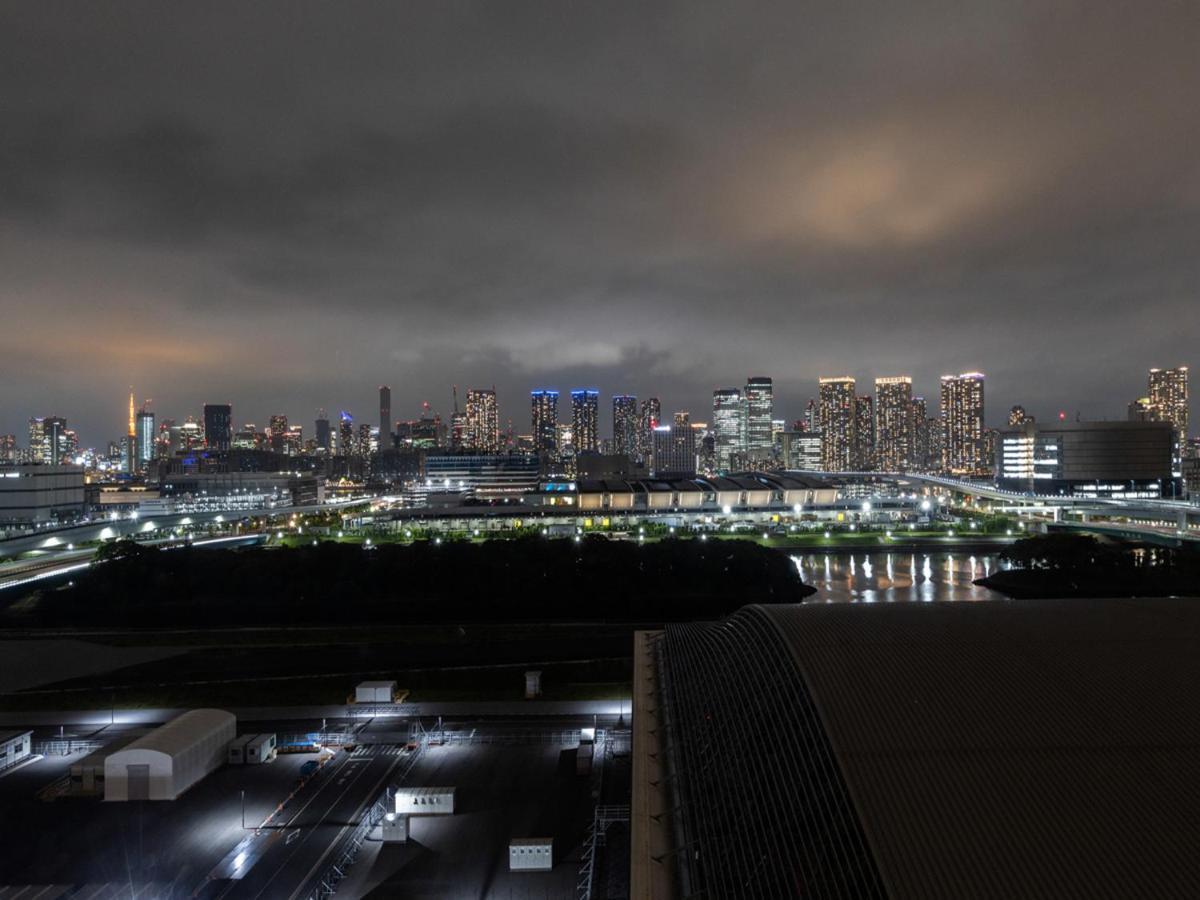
[{"x": 243, "y": 810}]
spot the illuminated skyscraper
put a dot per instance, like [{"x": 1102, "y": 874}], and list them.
[
  {"x": 838, "y": 432},
  {"x": 893, "y": 424},
  {"x": 759, "y": 398},
  {"x": 188, "y": 436},
  {"x": 50, "y": 442},
  {"x": 1169, "y": 403},
  {"x": 673, "y": 451},
  {"x": 458, "y": 424},
  {"x": 8, "y": 448},
  {"x": 324, "y": 437},
  {"x": 651, "y": 416},
  {"x": 920, "y": 433},
  {"x": 625, "y": 426},
  {"x": 293, "y": 441},
  {"x": 39, "y": 450},
  {"x": 544, "y": 422},
  {"x": 277, "y": 433},
  {"x": 585, "y": 420},
  {"x": 385, "y": 414},
  {"x": 727, "y": 425},
  {"x": 143, "y": 443},
  {"x": 1018, "y": 416},
  {"x": 800, "y": 449},
  {"x": 963, "y": 451},
  {"x": 218, "y": 426},
  {"x": 347, "y": 446},
  {"x": 812, "y": 416},
  {"x": 864, "y": 433},
  {"x": 483, "y": 421}
]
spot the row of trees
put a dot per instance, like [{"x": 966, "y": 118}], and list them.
[
  {"x": 531, "y": 579},
  {"x": 1063, "y": 550}
]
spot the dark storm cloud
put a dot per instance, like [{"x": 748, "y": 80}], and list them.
[{"x": 286, "y": 204}]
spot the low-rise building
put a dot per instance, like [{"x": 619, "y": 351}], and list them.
[
  {"x": 14, "y": 747},
  {"x": 40, "y": 493}
]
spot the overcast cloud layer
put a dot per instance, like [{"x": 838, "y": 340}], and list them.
[{"x": 286, "y": 204}]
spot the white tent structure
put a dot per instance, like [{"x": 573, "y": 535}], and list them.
[{"x": 166, "y": 762}]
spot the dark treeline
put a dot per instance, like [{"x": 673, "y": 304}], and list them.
[
  {"x": 1081, "y": 565},
  {"x": 525, "y": 580}
]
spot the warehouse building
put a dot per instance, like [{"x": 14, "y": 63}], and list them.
[
  {"x": 985, "y": 750},
  {"x": 1120, "y": 460},
  {"x": 40, "y": 493},
  {"x": 166, "y": 762}
]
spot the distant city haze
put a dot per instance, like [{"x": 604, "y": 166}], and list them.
[{"x": 282, "y": 206}]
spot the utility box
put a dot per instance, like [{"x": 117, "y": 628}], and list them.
[
  {"x": 395, "y": 829},
  {"x": 533, "y": 684},
  {"x": 237, "y": 749},
  {"x": 375, "y": 692},
  {"x": 425, "y": 801},
  {"x": 261, "y": 749},
  {"x": 531, "y": 854}
]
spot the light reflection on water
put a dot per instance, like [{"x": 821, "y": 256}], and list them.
[{"x": 893, "y": 577}]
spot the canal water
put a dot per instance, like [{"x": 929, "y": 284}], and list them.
[{"x": 896, "y": 577}]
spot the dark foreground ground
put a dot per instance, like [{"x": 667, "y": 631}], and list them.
[{"x": 305, "y": 666}]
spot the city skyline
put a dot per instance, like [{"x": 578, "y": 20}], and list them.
[
  {"x": 475, "y": 195},
  {"x": 503, "y": 410}
]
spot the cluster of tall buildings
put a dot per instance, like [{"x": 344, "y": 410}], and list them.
[
  {"x": 1166, "y": 400},
  {"x": 844, "y": 429}
]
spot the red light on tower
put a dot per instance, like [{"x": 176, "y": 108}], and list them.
[{"x": 1062, "y": 416}]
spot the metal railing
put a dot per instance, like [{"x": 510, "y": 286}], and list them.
[
  {"x": 65, "y": 747},
  {"x": 602, "y": 817}
]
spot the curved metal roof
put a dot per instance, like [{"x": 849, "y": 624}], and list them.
[
  {"x": 992, "y": 750},
  {"x": 183, "y": 732}
]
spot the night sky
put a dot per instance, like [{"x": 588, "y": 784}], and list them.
[{"x": 284, "y": 205}]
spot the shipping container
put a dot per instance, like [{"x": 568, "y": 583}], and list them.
[{"x": 261, "y": 749}]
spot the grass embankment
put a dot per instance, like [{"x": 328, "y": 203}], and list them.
[{"x": 606, "y": 679}]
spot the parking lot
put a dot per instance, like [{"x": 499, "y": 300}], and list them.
[
  {"x": 167, "y": 847},
  {"x": 523, "y": 784}
]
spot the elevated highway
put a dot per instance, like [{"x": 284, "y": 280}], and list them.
[
  {"x": 1140, "y": 518},
  {"x": 103, "y": 529}
]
